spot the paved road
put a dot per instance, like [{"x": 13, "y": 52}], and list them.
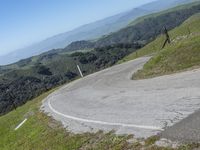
[
  {"x": 187, "y": 130},
  {"x": 110, "y": 100}
]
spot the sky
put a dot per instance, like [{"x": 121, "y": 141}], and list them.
[{"x": 24, "y": 22}]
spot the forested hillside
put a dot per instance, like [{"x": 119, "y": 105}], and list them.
[
  {"x": 35, "y": 75},
  {"x": 142, "y": 30},
  {"x": 30, "y": 77},
  {"x": 150, "y": 27}
]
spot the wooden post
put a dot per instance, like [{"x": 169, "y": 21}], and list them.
[{"x": 167, "y": 37}]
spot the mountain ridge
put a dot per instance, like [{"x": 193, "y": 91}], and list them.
[{"x": 89, "y": 31}]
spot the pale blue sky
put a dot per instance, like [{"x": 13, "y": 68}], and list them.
[{"x": 24, "y": 22}]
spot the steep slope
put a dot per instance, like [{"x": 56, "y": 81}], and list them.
[
  {"x": 40, "y": 132},
  {"x": 142, "y": 30},
  {"x": 90, "y": 31},
  {"x": 181, "y": 54},
  {"x": 33, "y": 134}
]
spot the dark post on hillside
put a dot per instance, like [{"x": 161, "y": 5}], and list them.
[{"x": 167, "y": 37}]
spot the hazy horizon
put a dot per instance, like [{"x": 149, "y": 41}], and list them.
[{"x": 27, "y": 22}]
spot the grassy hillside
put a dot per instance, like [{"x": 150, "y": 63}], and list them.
[
  {"x": 40, "y": 132},
  {"x": 183, "y": 53},
  {"x": 30, "y": 77},
  {"x": 186, "y": 28}
]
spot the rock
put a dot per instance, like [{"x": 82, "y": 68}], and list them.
[
  {"x": 132, "y": 140},
  {"x": 167, "y": 143}
]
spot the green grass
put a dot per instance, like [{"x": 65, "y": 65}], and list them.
[
  {"x": 181, "y": 54},
  {"x": 174, "y": 58},
  {"x": 192, "y": 25},
  {"x": 41, "y": 132}
]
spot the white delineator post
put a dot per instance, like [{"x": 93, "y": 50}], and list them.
[
  {"x": 21, "y": 124},
  {"x": 80, "y": 71}
]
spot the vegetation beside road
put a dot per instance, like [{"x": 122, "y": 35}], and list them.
[
  {"x": 155, "y": 46},
  {"x": 183, "y": 53},
  {"x": 30, "y": 77},
  {"x": 41, "y": 132}
]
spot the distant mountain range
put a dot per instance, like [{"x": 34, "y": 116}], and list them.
[{"x": 90, "y": 31}]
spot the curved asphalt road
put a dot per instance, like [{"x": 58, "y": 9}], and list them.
[{"x": 110, "y": 100}]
